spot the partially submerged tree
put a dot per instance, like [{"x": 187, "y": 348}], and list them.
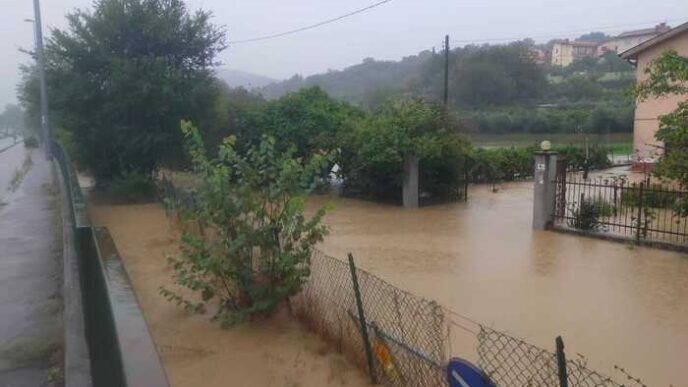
[
  {"x": 373, "y": 154},
  {"x": 123, "y": 75},
  {"x": 308, "y": 120},
  {"x": 668, "y": 75},
  {"x": 258, "y": 241}
]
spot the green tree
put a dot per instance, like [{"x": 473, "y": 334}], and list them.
[
  {"x": 372, "y": 155},
  {"x": 12, "y": 119},
  {"x": 28, "y": 94},
  {"x": 668, "y": 75},
  {"x": 235, "y": 114},
  {"x": 123, "y": 75},
  {"x": 496, "y": 75},
  {"x": 594, "y": 37},
  {"x": 308, "y": 120},
  {"x": 253, "y": 206}
]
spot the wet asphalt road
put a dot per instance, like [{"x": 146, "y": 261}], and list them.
[{"x": 30, "y": 271}]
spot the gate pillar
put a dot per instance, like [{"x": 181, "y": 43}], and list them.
[
  {"x": 544, "y": 192},
  {"x": 410, "y": 183}
]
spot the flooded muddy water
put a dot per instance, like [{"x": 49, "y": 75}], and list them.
[
  {"x": 197, "y": 352},
  {"x": 614, "y": 303}
]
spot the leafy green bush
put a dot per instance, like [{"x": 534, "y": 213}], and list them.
[
  {"x": 255, "y": 251},
  {"x": 134, "y": 186},
  {"x": 308, "y": 120},
  {"x": 373, "y": 154},
  {"x": 605, "y": 208},
  {"x": 506, "y": 164},
  {"x": 30, "y": 142},
  {"x": 489, "y": 165},
  {"x": 585, "y": 216},
  {"x": 598, "y": 156}
]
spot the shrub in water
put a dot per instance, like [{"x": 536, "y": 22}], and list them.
[
  {"x": 133, "y": 186},
  {"x": 254, "y": 252},
  {"x": 586, "y": 216}
]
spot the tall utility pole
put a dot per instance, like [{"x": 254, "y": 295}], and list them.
[
  {"x": 446, "y": 69},
  {"x": 40, "y": 58}
]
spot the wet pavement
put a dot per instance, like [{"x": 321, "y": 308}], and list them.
[{"x": 30, "y": 272}]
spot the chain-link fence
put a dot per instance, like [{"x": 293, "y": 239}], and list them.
[
  {"x": 407, "y": 334},
  {"x": 174, "y": 198},
  {"x": 512, "y": 362},
  {"x": 509, "y": 361},
  {"x": 410, "y": 337}
]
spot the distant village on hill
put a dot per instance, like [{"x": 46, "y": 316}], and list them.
[{"x": 563, "y": 52}]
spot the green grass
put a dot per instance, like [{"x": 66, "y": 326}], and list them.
[{"x": 620, "y": 143}]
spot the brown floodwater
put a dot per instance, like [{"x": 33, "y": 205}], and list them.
[
  {"x": 614, "y": 303},
  {"x": 277, "y": 352}
]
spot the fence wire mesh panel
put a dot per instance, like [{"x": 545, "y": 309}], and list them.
[
  {"x": 512, "y": 362},
  {"x": 642, "y": 211},
  {"x": 408, "y": 334},
  {"x": 580, "y": 375}
]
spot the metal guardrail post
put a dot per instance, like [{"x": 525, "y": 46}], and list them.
[
  {"x": 561, "y": 363},
  {"x": 362, "y": 321}
]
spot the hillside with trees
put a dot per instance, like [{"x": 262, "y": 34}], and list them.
[
  {"x": 122, "y": 125},
  {"x": 497, "y": 88}
]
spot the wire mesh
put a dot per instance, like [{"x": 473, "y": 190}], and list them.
[
  {"x": 580, "y": 375},
  {"x": 408, "y": 334},
  {"x": 510, "y": 361}
]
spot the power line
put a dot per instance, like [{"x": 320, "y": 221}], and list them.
[{"x": 322, "y": 23}]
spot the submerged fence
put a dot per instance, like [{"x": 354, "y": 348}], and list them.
[
  {"x": 643, "y": 211},
  {"x": 509, "y": 361},
  {"x": 410, "y": 338},
  {"x": 401, "y": 339},
  {"x": 407, "y": 335}
]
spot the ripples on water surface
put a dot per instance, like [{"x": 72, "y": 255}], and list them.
[{"x": 614, "y": 303}]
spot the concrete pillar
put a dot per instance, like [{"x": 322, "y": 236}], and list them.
[
  {"x": 410, "y": 188},
  {"x": 545, "y": 189}
]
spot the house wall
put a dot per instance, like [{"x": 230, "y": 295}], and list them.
[
  {"x": 562, "y": 54},
  {"x": 620, "y": 45},
  {"x": 623, "y": 44},
  {"x": 647, "y": 112}
]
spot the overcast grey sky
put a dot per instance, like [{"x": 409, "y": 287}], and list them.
[{"x": 390, "y": 31}]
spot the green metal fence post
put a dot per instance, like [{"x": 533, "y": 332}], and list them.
[
  {"x": 362, "y": 321},
  {"x": 561, "y": 363}
]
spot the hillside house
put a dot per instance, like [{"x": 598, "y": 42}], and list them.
[
  {"x": 629, "y": 39},
  {"x": 564, "y": 52},
  {"x": 647, "y": 112}
]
